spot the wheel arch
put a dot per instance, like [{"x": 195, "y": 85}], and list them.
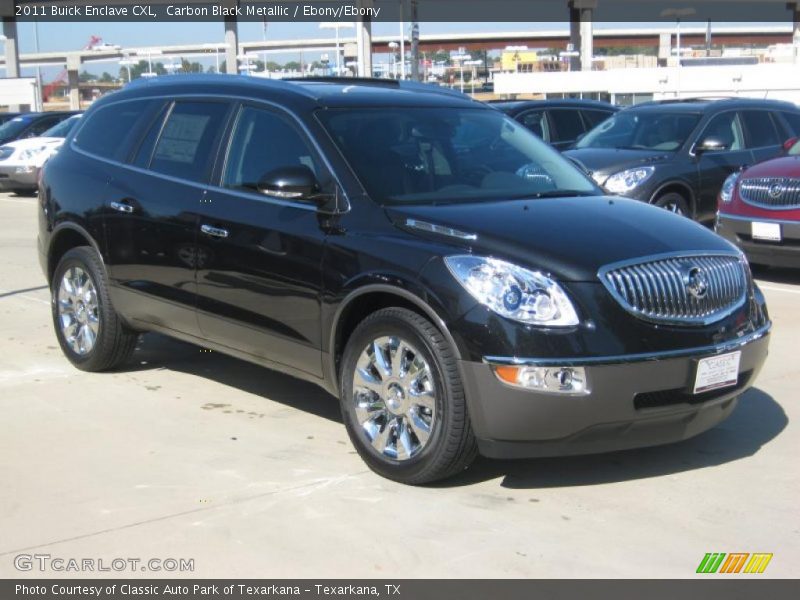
[
  {"x": 677, "y": 186},
  {"x": 366, "y": 300},
  {"x": 65, "y": 237}
]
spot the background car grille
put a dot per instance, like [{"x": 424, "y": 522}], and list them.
[
  {"x": 771, "y": 192},
  {"x": 659, "y": 289},
  {"x": 6, "y": 152}
]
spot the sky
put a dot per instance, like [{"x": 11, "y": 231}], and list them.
[{"x": 74, "y": 36}]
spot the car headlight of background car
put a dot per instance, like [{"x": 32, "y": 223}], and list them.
[
  {"x": 514, "y": 292},
  {"x": 32, "y": 153},
  {"x": 726, "y": 193},
  {"x": 627, "y": 180}
]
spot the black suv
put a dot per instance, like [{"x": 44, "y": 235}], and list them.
[
  {"x": 676, "y": 154},
  {"x": 560, "y": 123},
  {"x": 456, "y": 282}
]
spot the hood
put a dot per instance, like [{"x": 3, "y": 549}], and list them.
[
  {"x": 570, "y": 238},
  {"x": 34, "y": 142},
  {"x": 785, "y": 166},
  {"x": 607, "y": 161}
]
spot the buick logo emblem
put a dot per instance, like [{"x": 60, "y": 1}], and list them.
[
  {"x": 775, "y": 190},
  {"x": 696, "y": 282}
]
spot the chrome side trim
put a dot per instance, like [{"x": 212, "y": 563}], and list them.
[
  {"x": 711, "y": 350},
  {"x": 440, "y": 229}
]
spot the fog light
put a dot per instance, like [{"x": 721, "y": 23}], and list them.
[{"x": 553, "y": 380}]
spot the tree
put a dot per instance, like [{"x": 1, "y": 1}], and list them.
[
  {"x": 85, "y": 77},
  {"x": 106, "y": 77},
  {"x": 190, "y": 67}
]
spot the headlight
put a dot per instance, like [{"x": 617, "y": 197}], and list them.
[
  {"x": 513, "y": 292},
  {"x": 599, "y": 178},
  {"x": 31, "y": 153},
  {"x": 625, "y": 181},
  {"x": 726, "y": 193}
]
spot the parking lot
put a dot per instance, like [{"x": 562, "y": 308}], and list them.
[{"x": 188, "y": 454}]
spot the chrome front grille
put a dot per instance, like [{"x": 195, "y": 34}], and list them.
[
  {"x": 771, "y": 192},
  {"x": 679, "y": 289}
]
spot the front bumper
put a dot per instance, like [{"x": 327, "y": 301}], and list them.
[
  {"x": 786, "y": 253},
  {"x": 11, "y": 179},
  {"x": 634, "y": 401}
]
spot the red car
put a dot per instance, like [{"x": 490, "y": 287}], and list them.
[{"x": 759, "y": 210}]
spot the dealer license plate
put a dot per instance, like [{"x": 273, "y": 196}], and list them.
[
  {"x": 717, "y": 372},
  {"x": 770, "y": 232}
]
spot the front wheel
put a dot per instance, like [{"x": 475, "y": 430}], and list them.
[
  {"x": 675, "y": 203},
  {"x": 402, "y": 399}
]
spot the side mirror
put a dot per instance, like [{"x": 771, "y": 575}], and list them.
[
  {"x": 710, "y": 144},
  {"x": 788, "y": 144},
  {"x": 291, "y": 183}
]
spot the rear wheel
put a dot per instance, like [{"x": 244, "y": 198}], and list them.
[
  {"x": 91, "y": 334},
  {"x": 674, "y": 202},
  {"x": 402, "y": 399}
]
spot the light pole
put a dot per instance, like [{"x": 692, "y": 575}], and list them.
[
  {"x": 678, "y": 13},
  {"x": 40, "y": 99},
  {"x": 216, "y": 48},
  {"x": 127, "y": 62},
  {"x": 393, "y": 48},
  {"x": 336, "y": 25},
  {"x": 149, "y": 53}
]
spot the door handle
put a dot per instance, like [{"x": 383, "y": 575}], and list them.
[
  {"x": 123, "y": 207},
  {"x": 217, "y": 232}
]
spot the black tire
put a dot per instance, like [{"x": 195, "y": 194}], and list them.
[
  {"x": 114, "y": 342},
  {"x": 674, "y": 202},
  {"x": 451, "y": 446}
]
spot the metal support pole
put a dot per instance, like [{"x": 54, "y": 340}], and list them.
[
  {"x": 364, "y": 42},
  {"x": 232, "y": 51}
]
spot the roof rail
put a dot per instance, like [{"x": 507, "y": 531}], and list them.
[{"x": 403, "y": 84}]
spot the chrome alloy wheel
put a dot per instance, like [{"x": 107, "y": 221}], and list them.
[
  {"x": 78, "y": 310},
  {"x": 673, "y": 207},
  {"x": 394, "y": 397}
]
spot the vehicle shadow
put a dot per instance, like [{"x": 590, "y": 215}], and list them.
[
  {"x": 160, "y": 352},
  {"x": 756, "y": 421},
  {"x": 776, "y": 275}
]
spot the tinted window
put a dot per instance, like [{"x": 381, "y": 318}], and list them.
[
  {"x": 642, "y": 130},
  {"x": 726, "y": 128},
  {"x": 106, "y": 130},
  {"x": 60, "y": 130},
  {"x": 761, "y": 129},
  {"x": 437, "y": 155},
  {"x": 567, "y": 122},
  {"x": 14, "y": 126},
  {"x": 536, "y": 122},
  {"x": 261, "y": 143},
  {"x": 43, "y": 125},
  {"x": 187, "y": 140},
  {"x": 794, "y": 121},
  {"x": 595, "y": 117},
  {"x": 144, "y": 151}
]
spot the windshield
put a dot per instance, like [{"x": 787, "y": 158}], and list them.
[
  {"x": 62, "y": 129},
  {"x": 13, "y": 127},
  {"x": 436, "y": 155},
  {"x": 642, "y": 130}
]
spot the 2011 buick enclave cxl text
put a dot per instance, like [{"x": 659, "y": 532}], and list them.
[{"x": 459, "y": 285}]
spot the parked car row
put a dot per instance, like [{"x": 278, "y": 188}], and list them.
[
  {"x": 687, "y": 156},
  {"x": 22, "y": 159}
]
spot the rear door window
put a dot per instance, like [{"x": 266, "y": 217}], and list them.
[
  {"x": 794, "y": 121},
  {"x": 567, "y": 123},
  {"x": 108, "y": 131},
  {"x": 188, "y": 139},
  {"x": 595, "y": 117},
  {"x": 761, "y": 129}
]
